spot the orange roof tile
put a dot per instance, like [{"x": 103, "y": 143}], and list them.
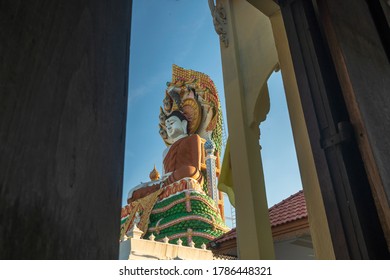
[
  {"x": 226, "y": 236},
  {"x": 290, "y": 209}
]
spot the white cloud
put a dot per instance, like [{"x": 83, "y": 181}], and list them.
[{"x": 147, "y": 86}]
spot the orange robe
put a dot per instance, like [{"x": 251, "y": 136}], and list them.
[{"x": 183, "y": 160}]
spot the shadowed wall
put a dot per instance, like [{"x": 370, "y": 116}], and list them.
[{"x": 63, "y": 99}]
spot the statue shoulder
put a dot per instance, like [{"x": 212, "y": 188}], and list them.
[
  {"x": 190, "y": 140},
  {"x": 194, "y": 138}
]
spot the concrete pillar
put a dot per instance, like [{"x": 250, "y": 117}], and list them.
[
  {"x": 244, "y": 79},
  {"x": 211, "y": 170}
]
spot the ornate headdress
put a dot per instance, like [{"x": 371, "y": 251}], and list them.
[{"x": 194, "y": 94}]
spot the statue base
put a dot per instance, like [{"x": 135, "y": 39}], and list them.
[
  {"x": 181, "y": 210},
  {"x": 133, "y": 248}
]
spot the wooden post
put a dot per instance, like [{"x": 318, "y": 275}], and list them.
[
  {"x": 352, "y": 218},
  {"x": 63, "y": 96},
  {"x": 361, "y": 54},
  {"x": 319, "y": 228}
]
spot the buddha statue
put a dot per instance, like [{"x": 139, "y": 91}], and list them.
[
  {"x": 167, "y": 103},
  {"x": 181, "y": 160},
  {"x": 180, "y": 203},
  {"x": 162, "y": 116}
]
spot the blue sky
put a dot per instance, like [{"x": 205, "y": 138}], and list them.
[{"x": 166, "y": 32}]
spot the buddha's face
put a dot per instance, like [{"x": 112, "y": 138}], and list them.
[{"x": 175, "y": 127}]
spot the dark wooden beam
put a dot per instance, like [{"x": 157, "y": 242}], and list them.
[
  {"x": 63, "y": 101},
  {"x": 348, "y": 201},
  {"x": 358, "y": 37}
]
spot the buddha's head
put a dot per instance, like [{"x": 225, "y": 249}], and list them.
[{"x": 176, "y": 124}]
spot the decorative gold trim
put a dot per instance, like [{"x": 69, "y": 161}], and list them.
[
  {"x": 194, "y": 233},
  {"x": 181, "y": 185},
  {"x": 169, "y": 206},
  {"x": 193, "y": 114},
  {"x": 211, "y": 222}
]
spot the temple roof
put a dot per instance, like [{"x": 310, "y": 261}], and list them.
[{"x": 288, "y": 210}]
